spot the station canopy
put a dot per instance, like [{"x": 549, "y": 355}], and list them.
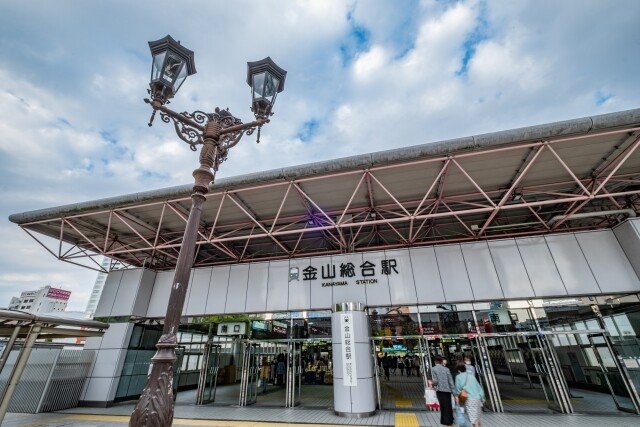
[{"x": 581, "y": 174}]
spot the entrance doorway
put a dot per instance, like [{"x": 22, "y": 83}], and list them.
[
  {"x": 276, "y": 373},
  {"x": 567, "y": 372},
  {"x": 400, "y": 371}
]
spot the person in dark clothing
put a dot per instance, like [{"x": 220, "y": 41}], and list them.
[
  {"x": 445, "y": 387},
  {"x": 385, "y": 366},
  {"x": 401, "y": 365}
]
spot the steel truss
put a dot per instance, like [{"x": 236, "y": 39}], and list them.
[{"x": 458, "y": 197}]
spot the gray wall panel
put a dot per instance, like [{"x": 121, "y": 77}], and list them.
[
  {"x": 351, "y": 292},
  {"x": 426, "y": 275},
  {"x": 628, "y": 235},
  {"x": 160, "y": 294},
  {"x": 540, "y": 266},
  {"x": 401, "y": 286},
  {"x": 237, "y": 290},
  {"x": 513, "y": 276},
  {"x": 453, "y": 273},
  {"x": 217, "y": 297},
  {"x": 198, "y": 291},
  {"x": 572, "y": 265},
  {"x": 278, "y": 287},
  {"x": 141, "y": 304},
  {"x": 482, "y": 272},
  {"x": 608, "y": 262},
  {"x": 300, "y": 289},
  {"x": 257, "y": 287},
  {"x": 127, "y": 291},
  {"x": 109, "y": 292}
]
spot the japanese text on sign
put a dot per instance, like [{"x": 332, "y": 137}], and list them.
[{"x": 349, "y": 377}]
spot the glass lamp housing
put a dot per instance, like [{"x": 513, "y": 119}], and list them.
[
  {"x": 266, "y": 80},
  {"x": 171, "y": 65}
]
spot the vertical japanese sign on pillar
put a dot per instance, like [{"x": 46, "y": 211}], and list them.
[{"x": 349, "y": 377}]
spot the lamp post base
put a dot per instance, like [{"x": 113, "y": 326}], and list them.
[{"x": 155, "y": 406}]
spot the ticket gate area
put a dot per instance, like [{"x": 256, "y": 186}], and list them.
[
  {"x": 519, "y": 372},
  {"x": 262, "y": 374}
]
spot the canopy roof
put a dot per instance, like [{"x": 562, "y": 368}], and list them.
[{"x": 579, "y": 174}]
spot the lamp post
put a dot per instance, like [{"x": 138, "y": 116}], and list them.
[{"x": 217, "y": 132}]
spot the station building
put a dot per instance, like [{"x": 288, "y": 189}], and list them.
[{"x": 519, "y": 249}]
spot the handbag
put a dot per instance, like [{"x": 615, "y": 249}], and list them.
[
  {"x": 462, "y": 397},
  {"x": 431, "y": 398},
  {"x": 461, "y": 417}
]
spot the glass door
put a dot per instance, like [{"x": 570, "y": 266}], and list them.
[
  {"x": 610, "y": 374},
  {"x": 249, "y": 374},
  {"x": 208, "y": 379},
  {"x": 294, "y": 374}
]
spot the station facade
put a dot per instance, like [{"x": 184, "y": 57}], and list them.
[{"x": 519, "y": 250}]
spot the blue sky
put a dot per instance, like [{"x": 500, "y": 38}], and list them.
[{"x": 362, "y": 76}]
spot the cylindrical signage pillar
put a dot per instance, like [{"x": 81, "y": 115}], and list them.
[{"x": 354, "y": 387}]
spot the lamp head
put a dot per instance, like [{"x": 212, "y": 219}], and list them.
[{"x": 172, "y": 64}]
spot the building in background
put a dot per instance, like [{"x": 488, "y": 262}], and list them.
[
  {"x": 97, "y": 290},
  {"x": 43, "y": 300}
]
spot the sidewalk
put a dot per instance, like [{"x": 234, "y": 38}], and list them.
[{"x": 191, "y": 415}]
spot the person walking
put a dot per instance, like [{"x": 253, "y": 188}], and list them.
[
  {"x": 475, "y": 393},
  {"x": 408, "y": 366},
  {"x": 445, "y": 387},
  {"x": 385, "y": 366},
  {"x": 401, "y": 366},
  {"x": 470, "y": 368},
  {"x": 416, "y": 364}
]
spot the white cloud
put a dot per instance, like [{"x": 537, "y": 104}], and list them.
[{"x": 73, "y": 126}]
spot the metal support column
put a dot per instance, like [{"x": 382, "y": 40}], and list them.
[{"x": 12, "y": 382}]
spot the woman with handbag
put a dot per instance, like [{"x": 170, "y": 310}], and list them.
[{"x": 470, "y": 394}]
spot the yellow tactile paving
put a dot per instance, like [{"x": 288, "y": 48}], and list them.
[
  {"x": 406, "y": 420},
  {"x": 403, "y": 403},
  {"x": 188, "y": 422}
]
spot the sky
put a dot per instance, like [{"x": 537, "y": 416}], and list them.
[{"x": 363, "y": 76}]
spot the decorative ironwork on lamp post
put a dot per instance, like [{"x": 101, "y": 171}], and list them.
[{"x": 217, "y": 132}]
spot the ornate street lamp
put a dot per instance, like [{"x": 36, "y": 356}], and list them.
[{"x": 217, "y": 133}]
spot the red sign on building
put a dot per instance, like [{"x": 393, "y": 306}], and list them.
[{"x": 58, "y": 294}]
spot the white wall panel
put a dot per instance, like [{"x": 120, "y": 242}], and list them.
[
  {"x": 278, "y": 286},
  {"x": 100, "y": 389},
  {"x": 160, "y": 294},
  {"x": 377, "y": 294},
  {"x": 401, "y": 286},
  {"x": 628, "y": 235},
  {"x": 541, "y": 268},
  {"x": 300, "y": 290},
  {"x": 141, "y": 304},
  {"x": 510, "y": 268},
  {"x": 608, "y": 262},
  {"x": 572, "y": 265},
  {"x": 108, "y": 362},
  {"x": 237, "y": 289},
  {"x": 482, "y": 272},
  {"x": 198, "y": 291},
  {"x": 117, "y": 336},
  {"x": 351, "y": 292},
  {"x": 320, "y": 297},
  {"x": 257, "y": 287},
  {"x": 217, "y": 297},
  {"x": 426, "y": 275},
  {"x": 453, "y": 273},
  {"x": 109, "y": 292},
  {"x": 127, "y": 291}
]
